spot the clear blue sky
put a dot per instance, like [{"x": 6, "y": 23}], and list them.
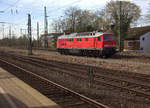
[{"x": 15, "y": 11}]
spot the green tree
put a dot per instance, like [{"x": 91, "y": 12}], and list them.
[{"x": 130, "y": 14}]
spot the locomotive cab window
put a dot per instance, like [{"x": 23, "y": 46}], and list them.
[
  {"x": 108, "y": 38},
  {"x": 86, "y": 39},
  {"x": 80, "y": 39}
]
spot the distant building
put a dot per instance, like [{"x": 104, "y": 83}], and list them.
[
  {"x": 133, "y": 40},
  {"x": 131, "y": 44},
  {"x": 145, "y": 43}
]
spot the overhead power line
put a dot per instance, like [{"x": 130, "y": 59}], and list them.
[
  {"x": 12, "y": 5},
  {"x": 64, "y": 6},
  {"x": 1, "y": 11},
  {"x": 77, "y": 1}
]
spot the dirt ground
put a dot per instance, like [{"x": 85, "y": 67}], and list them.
[{"x": 132, "y": 61}]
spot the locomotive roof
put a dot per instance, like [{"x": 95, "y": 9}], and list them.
[{"x": 82, "y": 35}]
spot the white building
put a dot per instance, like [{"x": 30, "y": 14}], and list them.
[{"x": 145, "y": 43}]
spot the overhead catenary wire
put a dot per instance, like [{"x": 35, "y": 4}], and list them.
[
  {"x": 13, "y": 5},
  {"x": 51, "y": 11},
  {"x": 37, "y": 15},
  {"x": 77, "y": 1},
  {"x": 58, "y": 9}
]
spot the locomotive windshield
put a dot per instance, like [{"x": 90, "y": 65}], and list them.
[{"x": 108, "y": 38}]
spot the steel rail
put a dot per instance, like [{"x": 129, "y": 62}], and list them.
[
  {"x": 73, "y": 93},
  {"x": 138, "y": 92}
]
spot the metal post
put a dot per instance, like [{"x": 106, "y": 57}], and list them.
[
  {"x": 120, "y": 24},
  {"x": 91, "y": 77},
  {"x": 3, "y": 27},
  {"x": 46, "y": 28},
  {"x": 10, "y": 32},
  {"x": 21, "y": 32},
  {"x": 38, "y": 39},
  {"x": 10, "y": 35},
  {"x": 29, "y": 35}
]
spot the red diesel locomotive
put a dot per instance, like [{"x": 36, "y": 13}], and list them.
[{"x": 93, "y": 43}]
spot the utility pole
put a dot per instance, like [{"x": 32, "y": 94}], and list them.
[
  {"x": 3, "y": 27},
  {"x": 38, "y": 38},
  {"x": 45, "y": 28},
  {"x": 21, "y": 32},
  {"x": 10, "y": 35},
  {"x": 10, "y": 32},
  {"x": 29, "y": 35},
  {"x": 120, "y": 24}
]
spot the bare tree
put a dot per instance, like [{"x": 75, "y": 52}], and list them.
[
  {"x": 57, "y": 26},
  {"x": 71, "y": 17}
]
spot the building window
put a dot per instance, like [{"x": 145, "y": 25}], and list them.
[
  {"x": 129, "y": 43},
  {"x": 143, "y": 38}
]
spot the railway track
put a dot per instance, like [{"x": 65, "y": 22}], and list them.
[
  {"x": 144, "y": 60},
  {"x": 65, "y": 97},
  {"x": 122, "y": 81}
]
